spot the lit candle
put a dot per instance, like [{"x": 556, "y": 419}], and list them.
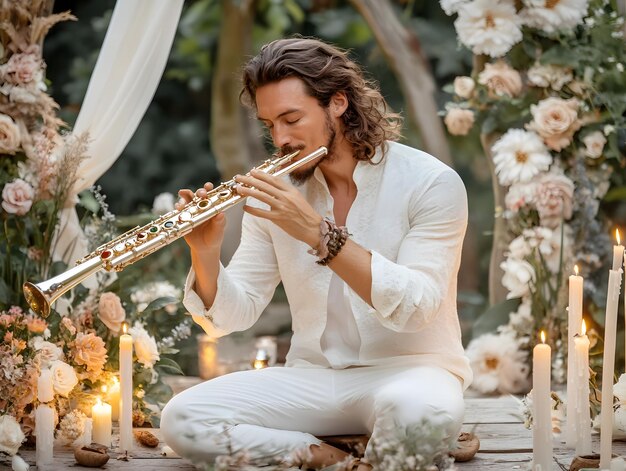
[
  {"x": 608, "y": 368},
  {"x": 261, "y": 360},
  {"x": 113, "y": 398},
  {"x": 126, "y": 390},
  {"x": 574, "y": 317},
  {"x": 208, "y": 366},
  {"x": 618, "y": 252},
  {"x": 44, "y": 431},
  {"x": 542, "y": 416},
  {"x": 582, "y": 416},
  {"x": 45, "y": 390},
  {"x": 101, "y": 423}
]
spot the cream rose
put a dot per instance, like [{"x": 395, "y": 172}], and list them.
[
  {"x": 24, "y": 68},
  {"x": 90, "y": 351},
  {"x": 554, "y": 193},
  {"x": 594, "y": 144},
  {"x": 64, "y": 378},
  {"x": 549, "y": 76},
  {"x": 17, "y": 197},
  {"x": 556, "y": 121},
  {"x": 47, "y": 351},
  {"x": 145, "y": 346},
  {"x": 459, "y": 121},
  {"x": 10, "y": 136},
  {"x": 464, "y": 86},
  {"x": 111, "y": 312},
  {"x": 11, "y": 435},
  {"x": 501, "y": 79}
]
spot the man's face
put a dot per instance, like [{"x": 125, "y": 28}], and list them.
[{"x": 296, "y": 121}]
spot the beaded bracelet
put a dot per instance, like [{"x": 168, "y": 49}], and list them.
[{"x": 332, "y": 239}]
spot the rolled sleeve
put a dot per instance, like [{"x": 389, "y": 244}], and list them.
[{"x": 407, "y": 294}]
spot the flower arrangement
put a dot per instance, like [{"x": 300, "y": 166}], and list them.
[
  {"x": 79, "y": 340},
  {"x": 547, "y": 93}
]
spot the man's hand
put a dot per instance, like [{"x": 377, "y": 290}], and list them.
[
  {"x": 288, "y": 208},
  {"x": 209, "y": 235}
]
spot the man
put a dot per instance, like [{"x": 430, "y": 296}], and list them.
[{"x": 376, "y": 342}]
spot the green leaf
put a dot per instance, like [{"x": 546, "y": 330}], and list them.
[
  {"x": 160, "y": 303},
  {"x": 494, "y": 317},
  {"x": 616, "y": 194},
  {"x": 169, "y": 365}
]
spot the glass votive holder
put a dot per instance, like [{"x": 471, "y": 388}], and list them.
[
  {"x": 269, "y": 344},
  {"x": 208, "y": 364}
]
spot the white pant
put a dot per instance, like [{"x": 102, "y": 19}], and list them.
[{"x": 273, "y": 412}]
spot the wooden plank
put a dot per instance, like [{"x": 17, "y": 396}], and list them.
[{"x": 504, "y": 409}]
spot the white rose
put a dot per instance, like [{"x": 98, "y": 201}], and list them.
[
  {"x": 17, "y": 197},
  {"x": 518, "y": 274},
  {"x": 464, "y": 86},
  {"x": 163, "y": 203},
  {"x": 111, "y": 312},
  {"x": 501, "y": 79},
  {"x": 11, "y": 435},
  {"x": 64, "y": 377},
  {"x": 47, "y": 351},
  {"x": 10, "y": 136},
  {"x": 594, "y": 144},
  {"x": 145, "y": 346},
  {"x": 556, "y": 121},
  {"x": 459, "y": 121}
]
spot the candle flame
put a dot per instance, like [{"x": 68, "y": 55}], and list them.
[
  {"x": 617, "y": 236},
  {"x": 583, "y": 328},
  {"x": 104, "y": 389},
  {"x": 98, "y": 401},
  {"x": 576, "y": 269},
  {"x": 124, "y": 328},
  {"x": 543, "y": 337},
  {"x": 116, "y": 381}
]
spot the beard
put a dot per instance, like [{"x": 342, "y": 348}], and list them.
[{"x": 300, "y": 176}]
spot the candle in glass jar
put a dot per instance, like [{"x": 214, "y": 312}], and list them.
[
  {"x": 542, "y": 416},
  {"x": 582, "y": 412},
  {"x": 126, "y": 390},
  {"x": 574, "y": 317},
  {"x": 101, "y": 423}
]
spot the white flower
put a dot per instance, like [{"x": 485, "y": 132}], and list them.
[
  {"x": 163, "y": 203},
  {"x": 152, "y": 291},
  {"x": 451, "y": 6},
  {"x": 488, "y": 27},
  {"x": 519, "y": 156},
  {"x": 594, "y": 144},
  {"x": 464, "y": 86},
  {"x": 18, "y": 464},
  {"x": 519, "y": 195},
  {"x": 11, "y": 435},
  {"x": 501, "y": 79},
  {"x": 498, "y": 364},
  {"x": 17, "y": 197},
  {"x": 145, "y": 346},
  {"x": 551, "y": 16},
  {"x": 47, "y": 351},
  {"x": 459, "y": 121},
  {"x": 111, "y": 312},
  {"x": 10, "y": 136},
  {"x": 517, "y": 276},
  {"x": 619, "y": 389},
  {"x": 64, "y": 377},
  {"x": 549, "y": 75}
]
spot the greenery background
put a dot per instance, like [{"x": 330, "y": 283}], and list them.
[{"x": 172, "y": 148}]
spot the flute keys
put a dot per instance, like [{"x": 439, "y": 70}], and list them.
[{"x": 185, "y": 216}]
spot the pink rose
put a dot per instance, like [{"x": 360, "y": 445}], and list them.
[
  {"x": 111, "y": 312},
  {"x": 556, "y": 121},
  {"x": 17, "y": 197},
  {"x": 459, "y": 121},
  {"x": 10, "y": 135},
  {"x": 553, "y": 198}
]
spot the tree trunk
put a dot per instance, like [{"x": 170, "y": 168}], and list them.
[
  {"x": 235, "y": 138},
  {"x": 402, "y": 49}
]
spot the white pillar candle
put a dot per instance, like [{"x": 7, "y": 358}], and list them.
[
  {"x": 582, "y": 415},
  {"x": 574, "y": 317},
  {"x": 608, "y": 368},
  {"x": 44, "y": 432},
  {"x": 208, "y": 364},
  {"x": 101, "y": 423},
  {"x": 542, "y": 415},
  {"x": 126, "y": 391},
  {"x": 618, "y": 252},
  {"x": 45, "y": 390},
  {"x": 113, "y": 398}
]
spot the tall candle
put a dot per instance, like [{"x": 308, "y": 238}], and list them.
[
  {"x": 618, "y": 252},
  {"x": 113, "y": 398},
  {"x": 608, "y": 367},
  {"x": 101, "y": 423},
  {"x": 44, "y": 432},
  {"x": 574, "y": 317},
  {"x": 126, "y": 391},
  {"x": 542, "y": 417},
  {"x": 45, "y": 391},
  {"x": 582, "y": 416}
]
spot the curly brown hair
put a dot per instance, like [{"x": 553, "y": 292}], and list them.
[{"x": 326, "y": 70}]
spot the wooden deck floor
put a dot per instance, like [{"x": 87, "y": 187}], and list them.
[{"x": 505, "y": 445}]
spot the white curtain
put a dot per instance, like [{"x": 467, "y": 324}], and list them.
[{"x": 127, "y": 73}]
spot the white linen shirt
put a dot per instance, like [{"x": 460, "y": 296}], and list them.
[{"x": 410, "y": 212}]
